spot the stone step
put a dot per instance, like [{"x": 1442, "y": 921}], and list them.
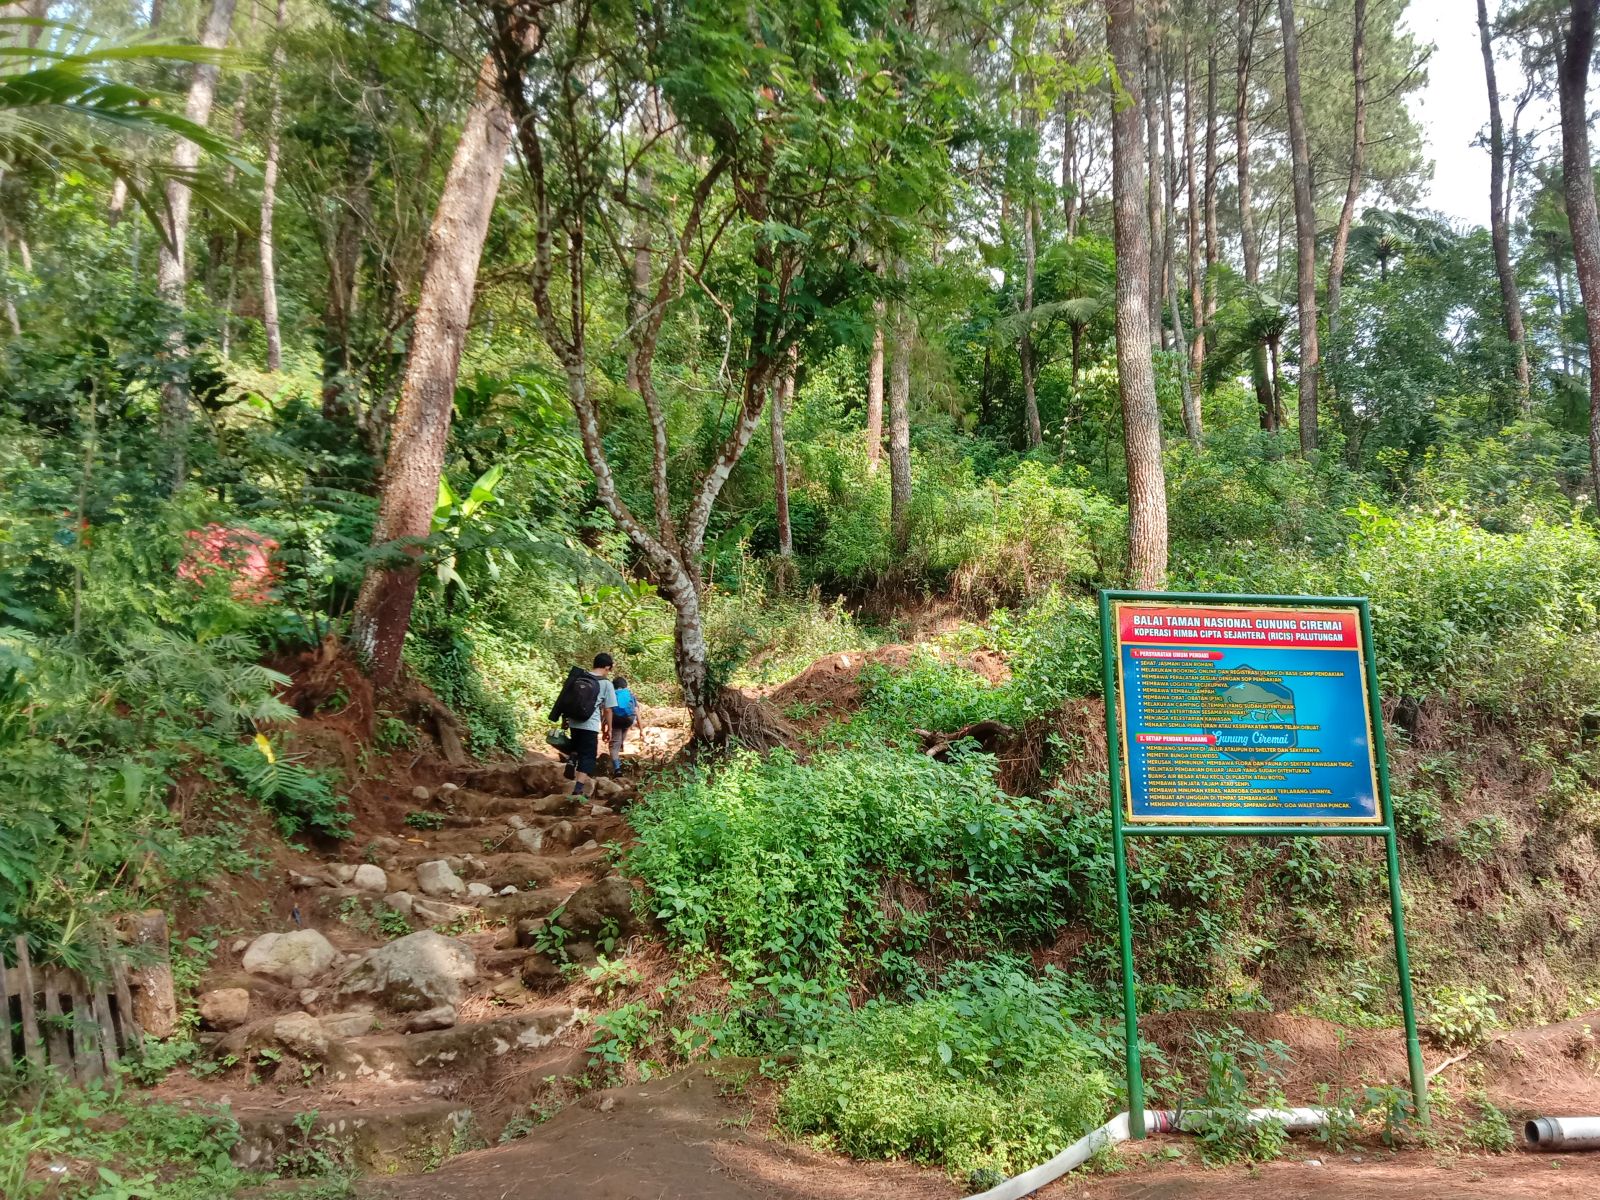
[
  {"x": 380, "y": 1139},
  {"x": 467, "y": 1049}
]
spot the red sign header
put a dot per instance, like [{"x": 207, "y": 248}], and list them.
[{"x": 1291, "y": 628}]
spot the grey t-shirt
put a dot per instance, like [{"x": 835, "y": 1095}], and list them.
[{"x": 607, "y": 699}]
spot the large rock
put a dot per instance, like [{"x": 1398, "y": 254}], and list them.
[
  {"x": 520, "y": 870},
  {"x": 532, "y": 840},
  {"x": 347, "y": 1024},
  {"x": 225, "y": 1008},
  {"x": 440, "y": 912},
  {"x": 531, "y": 778},
  {"x": 301, "y": 1034},
  {"x": 520, "y": 905},
  {"x": 442, "y": 1017},
  {"x": 369, "y": 878},
  {"x": 541, "y": 973},
  {"x": 437, "y": 879},
  {"x": 413, "y": 974},
  {"x": 293, "y": 958},
  {"x": 595, "y": 906}
]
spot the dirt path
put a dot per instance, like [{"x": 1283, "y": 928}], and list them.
[
  {"x": 1414, "y": 1176},
  {"x": 680, "y": 1139},
  {"x": 670, "y": 1139}
]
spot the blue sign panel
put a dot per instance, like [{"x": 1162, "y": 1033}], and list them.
[{"x": 1257, "y": 715}]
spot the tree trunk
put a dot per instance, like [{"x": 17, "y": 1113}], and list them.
[
  {"x": 1191, "y": 402},
  {"x": 1213, "y": 242},
  {"x": 172, "y": 274},
  {"x": 1197, "y": 299},
  {"x": 1141, "y": 415},
  {"x": 1358, "y": 154},
  {"x": 1577, "y": 171},
  {"x": 12, "y": 319},
  {"x": 1249, "y": 246},
  {"x": 422, "y": 419},
  {"x": 339, "y": 301},
  {"x": 1341, "y": 237},
  {"x": 1277, "y": 383},
  {"x": 640, "y": 299},
  {"x": 875, "y": 392},
  {"x": 1499, "y": 227},
  {"x": 780, "y": 461},
  {"x": 269, "y": 201},
  {"x": 900, "y": 421},
  {"x": 1153, "y": 173},
  {"x": 1069, "y": 134},
  {"x": 1030, "y": 216},
  {"x": 1305, "y": 226}
]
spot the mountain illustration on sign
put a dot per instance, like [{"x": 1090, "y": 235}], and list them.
[{"x": 1242, "y": 707}]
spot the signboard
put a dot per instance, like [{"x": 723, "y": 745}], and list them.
[
  {"x": 1244, "y": 716},
  {"x": 1253, "y": 714}
]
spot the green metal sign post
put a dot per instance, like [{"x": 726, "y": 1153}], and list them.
[{"x": 1245, "y": 716}]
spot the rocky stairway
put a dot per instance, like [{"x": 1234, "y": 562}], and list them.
[{"x": 418, "y": 978}]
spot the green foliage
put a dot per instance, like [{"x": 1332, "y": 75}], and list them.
[
  {"x": 1241, "y": 1074},
  {"x": 301, "y": 800},
  {"x": 444, "y": 658},
  {"x": 374, "y": 918},
  {"x": 1001, "y": 543},
  {"x": 1053, "y": 649},
  {"x": 846, "y": 863},
  {"x": 1480, "y": 838},
  {"x": 986, "y": 1073},
  {"x": 1491, "y": 1131},
  {"x": 126, "y": 1147},
  {"x": 931, "y": 693},
  {"x": 1460, "y": 1016},
  {"x": 425, "y": 820}
]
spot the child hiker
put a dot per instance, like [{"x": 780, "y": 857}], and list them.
[{"x": 623, "y": 718}]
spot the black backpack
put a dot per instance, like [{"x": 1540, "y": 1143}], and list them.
[{"x": 579, "y": 696}]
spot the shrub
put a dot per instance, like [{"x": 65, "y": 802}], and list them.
[
  {"x": 931, "y": 693},
  {"x": 1491, "y": 1131},
  {"x": 1053, "y": 648},
  {"x": 987, "y": 1074},
  {"x": 1241, "y": 1074},
  {"x": 766, "y": 640},
  {"x": 1015, "y": 539},
  {"x": 1461, "y": 1016},
  {"x": 842, "y": 864},
  {"x": 134, "y": 1149},
  {"x": 300, "y": 799},
  {"x": 445, "y": 658}
]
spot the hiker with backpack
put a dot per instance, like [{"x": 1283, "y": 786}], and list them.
[
  {"x": 623, "y": 718},
  {"x": 585, "y": 706}
]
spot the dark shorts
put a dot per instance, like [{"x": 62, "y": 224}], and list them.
[{"x": 585, "y": 745}]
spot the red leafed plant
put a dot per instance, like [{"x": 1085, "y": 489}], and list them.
[{"x": 241, "y": 555}]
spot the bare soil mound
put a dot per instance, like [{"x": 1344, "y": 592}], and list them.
[{"x": 1553, "y": 1070}]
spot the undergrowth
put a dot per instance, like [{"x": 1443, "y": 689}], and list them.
[
  {"x": 96, "y": 1142},
  {"x": 985, "y": 1074}
]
